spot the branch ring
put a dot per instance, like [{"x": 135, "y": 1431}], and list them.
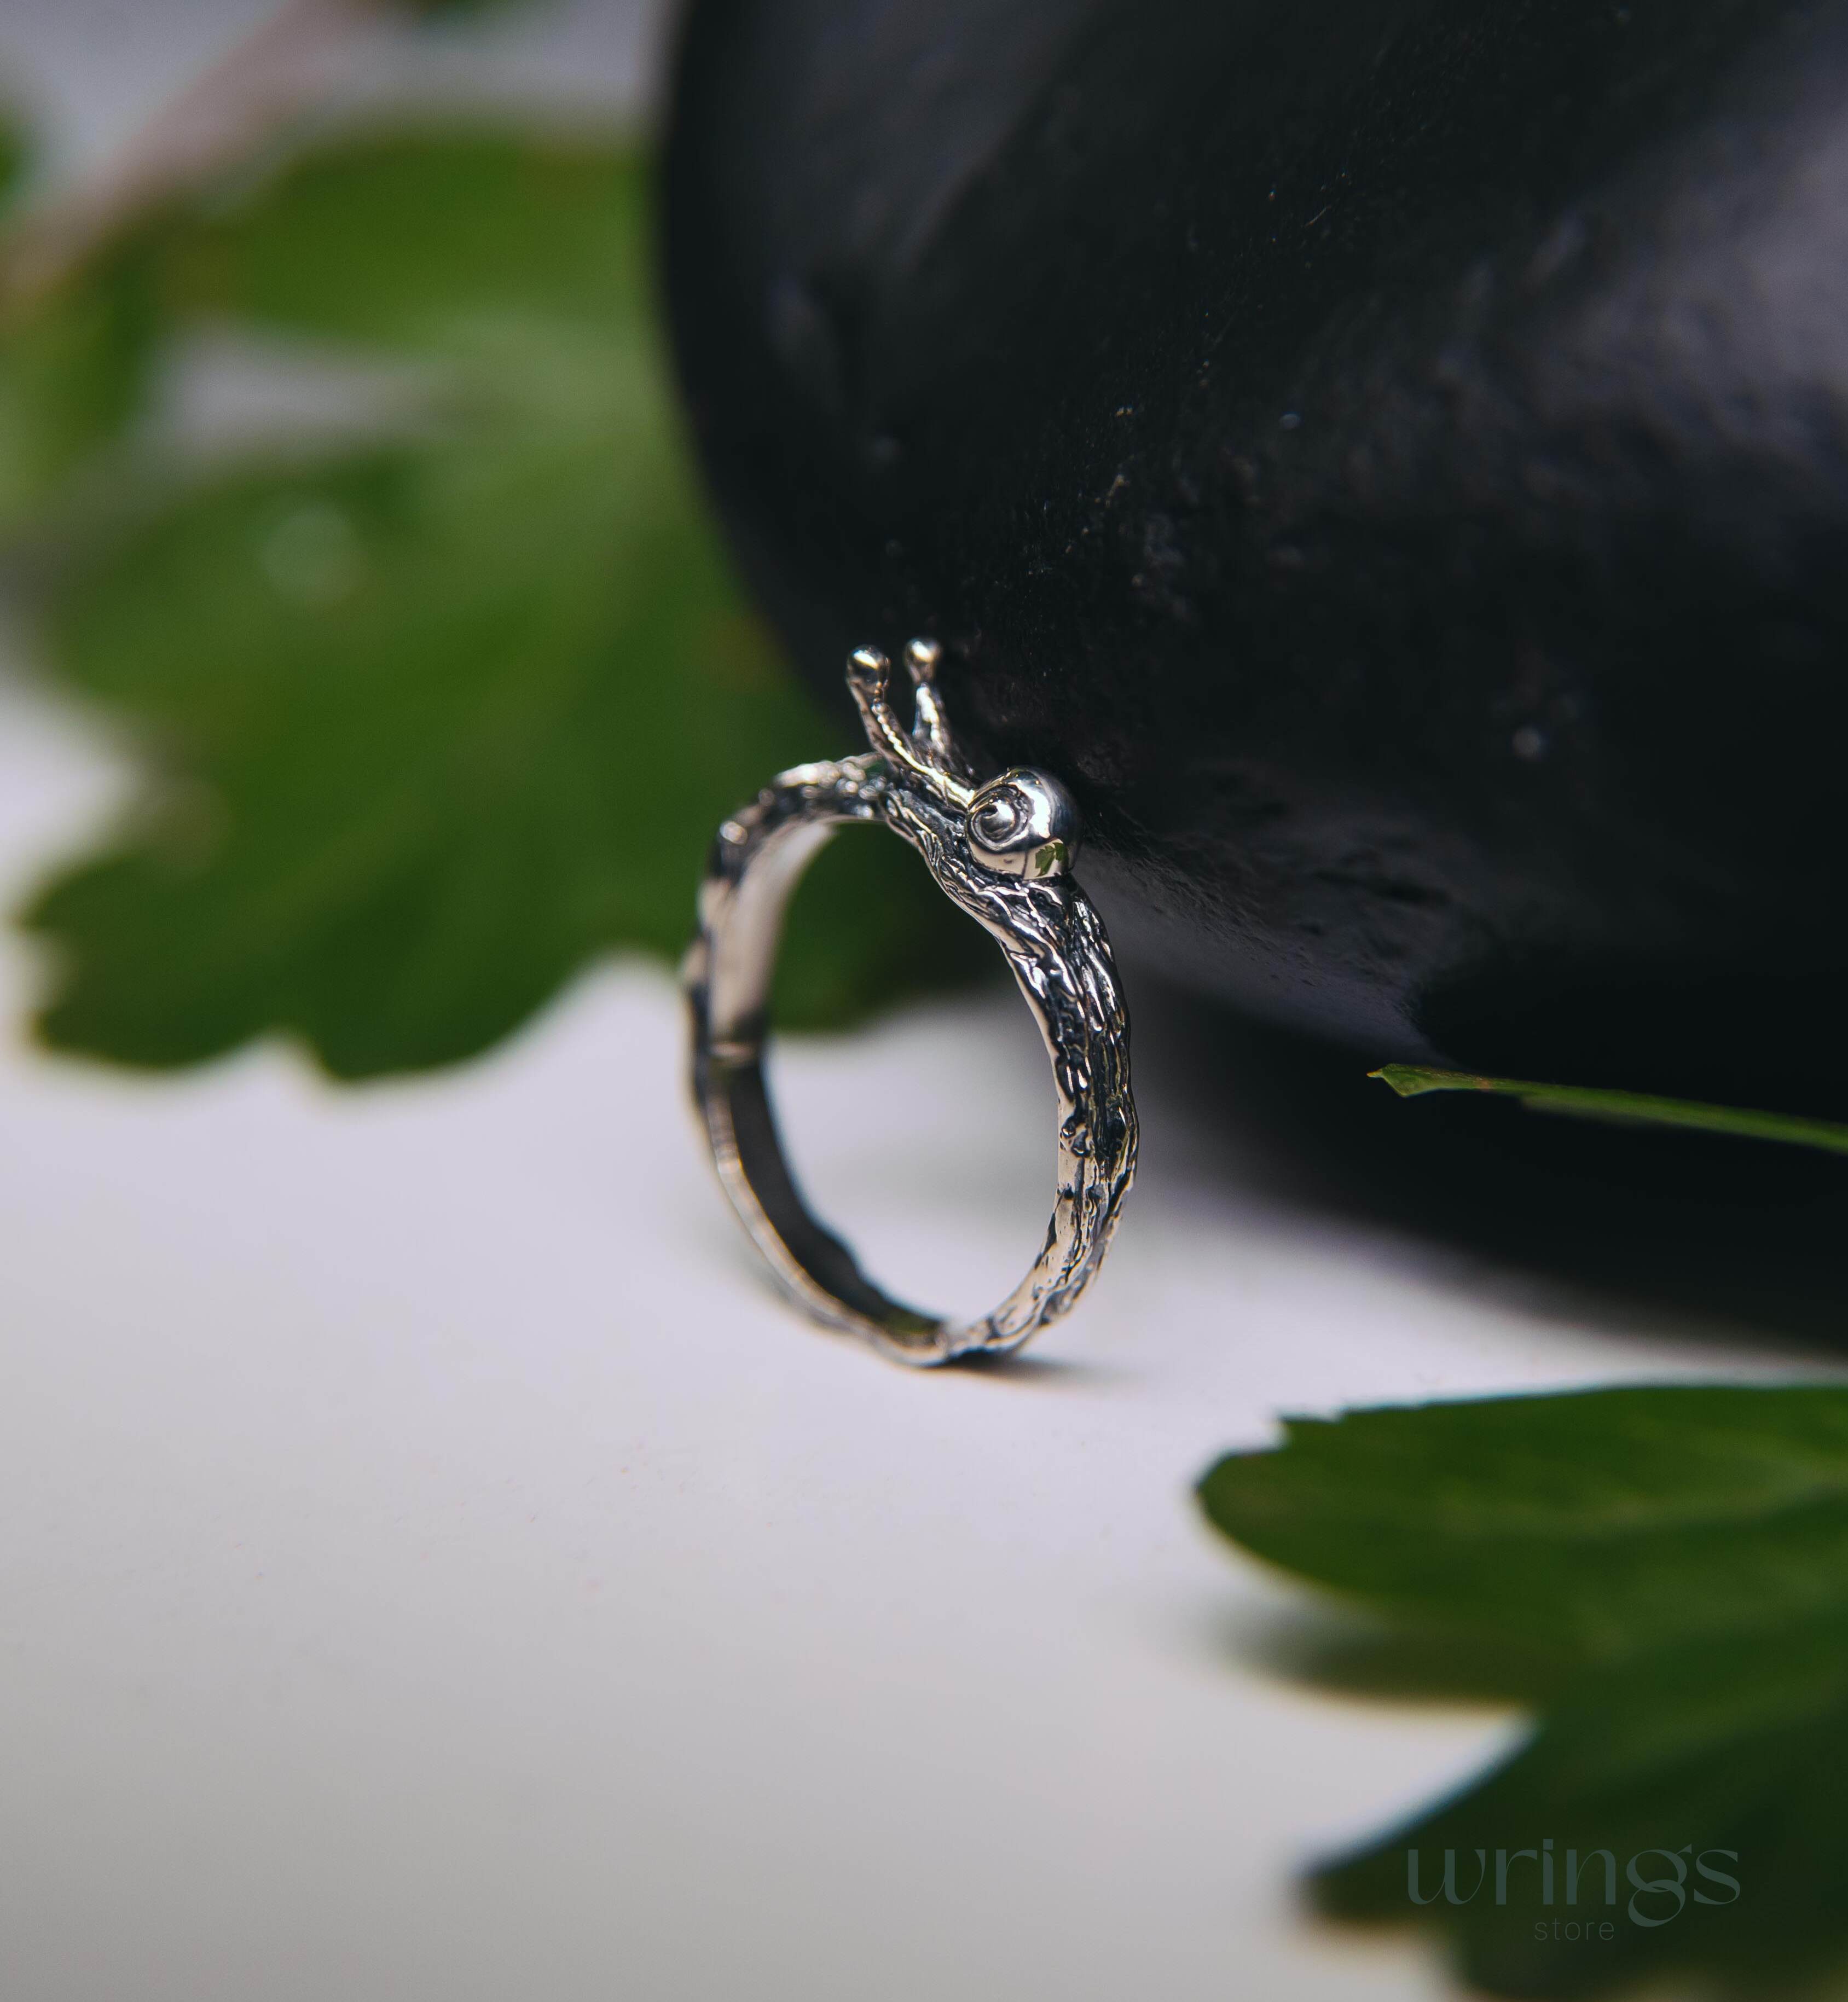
[{"x": 1002, "y": 852}]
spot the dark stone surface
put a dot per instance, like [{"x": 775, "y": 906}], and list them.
[{"x": 1391, "y": 459}]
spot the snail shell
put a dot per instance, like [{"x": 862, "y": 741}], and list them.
[{"x": 1025, "y": 824}]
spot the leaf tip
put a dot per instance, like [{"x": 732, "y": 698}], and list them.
[{"x": 1407, "y": 1080}]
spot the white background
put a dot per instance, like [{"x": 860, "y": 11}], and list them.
[{"x": 432, "y": 1569}]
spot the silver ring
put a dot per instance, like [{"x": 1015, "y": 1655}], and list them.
[{"x": 1001, "y": 851}]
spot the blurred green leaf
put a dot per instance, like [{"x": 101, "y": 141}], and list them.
[
  {"x": 470, "y": 245},
  {"x": 75, "y": 354},
  {"x": 16, "y": 156},
  {"x": 434, "y": 724},
  {"x": 74, "y": 363},
  {"x": 1683, "y": 1551},
  {"x": 1623, "y": 1108},
  {"x": 1602, "y": 1520}
]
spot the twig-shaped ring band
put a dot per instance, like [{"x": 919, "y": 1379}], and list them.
[{"x": 1003, "y": 853}]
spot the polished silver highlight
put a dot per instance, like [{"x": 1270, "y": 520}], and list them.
[
  {"x": 1024, "y": 824},
  {"x": 1003, "y": 853}
]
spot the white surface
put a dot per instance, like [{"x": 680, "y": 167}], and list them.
[
  {"x": 90, "y": 72},
  {"x": 433, "y": 1569}
]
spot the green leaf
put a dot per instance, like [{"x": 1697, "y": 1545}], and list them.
[
  {"x": 432, "y": 725},
  {"x": 1606, "y": 1520},
  {"x": 1732, "y": 1756},
  {"x": 456, "y": 242},
  {"x": 1681, "y": 1553},
  {"x": 75, "y": 368},
  {"x": 76, "y": 353},
  {"x": 15, "y": 157},
  {"x": 439, "y": 727},
  {"x": 1623, "y": 1107}
]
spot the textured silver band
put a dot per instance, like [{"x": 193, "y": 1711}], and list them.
[{"x": 1002, "y": 852}]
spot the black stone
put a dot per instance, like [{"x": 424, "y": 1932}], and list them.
[{"x": 1390, "y": 459}]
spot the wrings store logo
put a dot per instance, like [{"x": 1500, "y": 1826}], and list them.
[{"x": 1661, "y": 1881}]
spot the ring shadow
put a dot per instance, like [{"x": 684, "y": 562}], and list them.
[{"x": 1037, "y": 1372}]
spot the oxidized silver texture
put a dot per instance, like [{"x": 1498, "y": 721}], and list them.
[{"x": 1001, "y": 851}]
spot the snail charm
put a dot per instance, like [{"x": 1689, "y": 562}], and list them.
[
  {"x": 1024, "y": 824},
  {"x": 1003, "y": 851}
]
